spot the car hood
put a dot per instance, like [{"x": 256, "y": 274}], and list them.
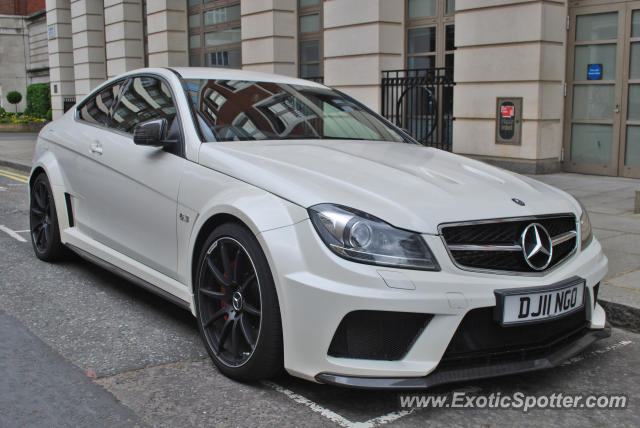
[{"x": 409, "y": 186}]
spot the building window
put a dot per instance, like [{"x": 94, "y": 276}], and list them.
[
  {"x": 450, "y": 7},
  {"x": 214, "y": 33},
  {"x": 310, "y": 52},
  {"x": 430, "y": 37}
]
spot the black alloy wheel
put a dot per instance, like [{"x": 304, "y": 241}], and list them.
[
  {"x": 230, "y": 302},
  {"x": 43, "y": 221},
  {"x": 236, "y": 305}
]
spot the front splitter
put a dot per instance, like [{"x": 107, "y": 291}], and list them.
[{"x": 444, "y": 376}]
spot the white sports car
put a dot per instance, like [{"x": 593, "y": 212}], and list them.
[{"x": 306, "y": 232}]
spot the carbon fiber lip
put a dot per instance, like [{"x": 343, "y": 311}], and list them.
[{"x": 444, "y": 376}]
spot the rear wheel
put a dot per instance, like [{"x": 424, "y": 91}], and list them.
[
  {"x": 237, "y": 306},
  {"x": 43, "y": 221}
]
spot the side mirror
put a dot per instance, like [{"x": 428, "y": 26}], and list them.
[{"x": 150, "y": 133}]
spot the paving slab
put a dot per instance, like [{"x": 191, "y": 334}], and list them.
[
  {"x": 627, "y": 280},
  {"x": 195, "y": 394},
  {"x": 626, "y": 223},
  {"x": 16, "y": 149},
  {"x": 620, "y": 262},
  {"x": 97, "y": 320},
  {"x": 601, "y": 234},
  {"x": 40, "y": 388}
]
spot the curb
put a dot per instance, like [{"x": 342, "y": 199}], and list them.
[
  {"x": 15, "y": 165},
  {"x": 622, "y": 316}
]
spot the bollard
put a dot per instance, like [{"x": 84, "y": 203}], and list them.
[{"x": 637, "y": 210}]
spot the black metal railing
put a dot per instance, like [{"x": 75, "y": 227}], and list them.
[
  {"x": 421, "y": 102},
  {"x": 67, "y": 103}
]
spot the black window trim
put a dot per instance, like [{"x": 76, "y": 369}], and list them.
[{"x": 127, "y": 79}]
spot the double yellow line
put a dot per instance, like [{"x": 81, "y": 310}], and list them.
[{"x": 14, "y": 176}]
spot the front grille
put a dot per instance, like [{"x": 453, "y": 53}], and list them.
[
  {"x": 480, "y": 340},
  {"x": 377, "y": 335},
  {"x": 496, "y": 244}
]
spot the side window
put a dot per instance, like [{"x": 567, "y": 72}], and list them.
[
  {"x": 145, "y": 98},
  {"x": 97, "y": 108}
]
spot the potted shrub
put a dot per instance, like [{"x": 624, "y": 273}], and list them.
[{"x": 14, "y": 97}]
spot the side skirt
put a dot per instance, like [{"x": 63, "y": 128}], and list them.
[{"x": 129, "y": 277}]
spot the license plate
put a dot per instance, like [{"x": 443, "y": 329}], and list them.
[{"x": 531, "y": 305}]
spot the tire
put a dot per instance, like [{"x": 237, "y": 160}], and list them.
[
  {"x": 243, "y": 345},
  {"x": 43, "y": 222}
]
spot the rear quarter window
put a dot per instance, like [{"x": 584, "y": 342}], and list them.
[{"x": 98, "y": 107}]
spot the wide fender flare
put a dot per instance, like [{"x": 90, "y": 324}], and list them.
[
  {"x": 49, "y": 164},
  {"x": 257, "y": 209}
]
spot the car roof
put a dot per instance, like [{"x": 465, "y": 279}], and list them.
[{"x": 233, "y": 74}]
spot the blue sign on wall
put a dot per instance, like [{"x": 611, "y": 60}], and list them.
[{"x": 594, "y": 72}]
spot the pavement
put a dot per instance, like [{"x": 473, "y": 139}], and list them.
[
  {"x": 16, "y": 149},
  {"x": 80, "y": 346}
]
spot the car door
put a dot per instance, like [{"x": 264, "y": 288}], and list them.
[
  {"x": 79, "y": 157},
  {"x": 135, "y": 191}
]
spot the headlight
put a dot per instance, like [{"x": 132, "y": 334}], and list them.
[
  {"x": 585, "y": 228},
  {"x": 360, "y": 237}
]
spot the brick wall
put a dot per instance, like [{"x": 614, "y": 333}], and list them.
[
  {"x": 34, "y": 6},
  {"x": 21, "y": 7}
]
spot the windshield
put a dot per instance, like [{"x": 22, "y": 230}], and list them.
[{"x": 234, "y": 110}]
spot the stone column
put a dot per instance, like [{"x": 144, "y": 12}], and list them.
[
  {"x": 509, "y": 48},
  {"x": 168, "y": 33},
  {"x": 123, "y": 36},
  {"x": 38, "y": 59},
  {"x": 362, "y": 38},
  {"x": 13, "y": 67},
  {"x": 87, "y": 26},
  {"x": 60, "y": 54},
  {"x": 269, "y": 36}
]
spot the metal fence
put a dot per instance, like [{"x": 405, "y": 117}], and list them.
[
  {"x": 67, "y": 103},
  {"x": 421, "y": 102}
]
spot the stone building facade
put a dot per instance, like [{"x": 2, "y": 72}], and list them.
[
  {"x": 540, "y": 85},
  {"x": 23, "y": 47}
]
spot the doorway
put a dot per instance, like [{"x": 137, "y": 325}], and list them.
[{"x": 602, "y": 124}]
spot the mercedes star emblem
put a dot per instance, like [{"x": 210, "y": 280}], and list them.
[
  {"x": 518, "y": 201},
  {"x": 537, "y": 247},
  {"x": 236, "y": 301}
]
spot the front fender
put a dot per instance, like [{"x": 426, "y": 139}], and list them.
[
  {"x": 45, "y": 160},
  {"x": 205, "y": 194}
]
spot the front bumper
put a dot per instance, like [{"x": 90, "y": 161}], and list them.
[
  {"x": 442, "y": 376},
  {"x": 316, "y": 289}
]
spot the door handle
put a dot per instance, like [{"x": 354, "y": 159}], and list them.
[
  {"x": 96, "y": 148},
  {"x": 616, "y": 109}
]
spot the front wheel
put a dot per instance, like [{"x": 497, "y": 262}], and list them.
[
  {"x": 43, "y": 221},
  {"x": 237, "y": 306}
]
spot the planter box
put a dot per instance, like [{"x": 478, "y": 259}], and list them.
[{"x": 22, "y": 127}]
